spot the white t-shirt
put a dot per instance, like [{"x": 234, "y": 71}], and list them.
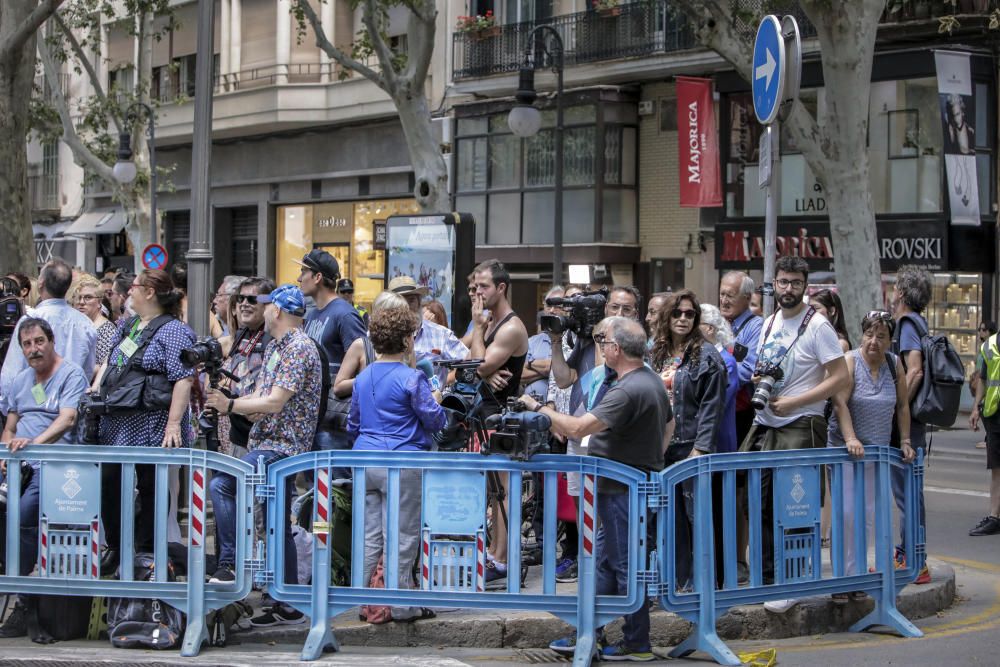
[{"x": 803, "y": 365}]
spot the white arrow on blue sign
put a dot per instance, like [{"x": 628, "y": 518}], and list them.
[{"x": 768, "y": 75}]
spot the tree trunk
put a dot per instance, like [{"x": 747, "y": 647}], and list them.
[
  {"x": 17, "y": 249},
  {"x": 430, "y": 171}
]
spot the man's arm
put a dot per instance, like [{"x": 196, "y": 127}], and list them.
[
  {"x": 564, "y": 375},
  {"x": 751, "y": 338},
  {"x": 10, "y": 428},
  {"x": 64, "y": 422},
  {"x": 536, "y": 369},
  {"x": 504, "y": 346},
  {"x": 268, "y": 405},
  {"x": 980, "y": 389},
  {"x": 573, "y": 427},
  {"x": 914, "y": 372}
]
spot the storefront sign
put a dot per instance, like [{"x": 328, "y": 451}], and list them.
[
  {"x": 956, "y": 96},
  {"x": 379, "y": 240},
  {"x": 698, "y": 144},
  {"x": 741, "y": 246}
]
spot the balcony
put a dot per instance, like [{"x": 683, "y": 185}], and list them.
[
  {"x": 626, "y": 31},
  {"x": 43, "y": 192}
]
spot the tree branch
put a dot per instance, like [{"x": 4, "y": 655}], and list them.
[
  {"x": 70, "y": 136},
  {"x": 420, "y": 32},
  {"x": 81, "y": 56},
  {"x": 369, "y": 17},
  {"x": 20, "y": 36},
  {"x": 324, "y": 43}
]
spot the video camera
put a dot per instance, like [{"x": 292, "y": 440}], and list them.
[
  {"x": 11, "y": 310},
  {"x": 517, "y": 432},
  {"x": 584, "y": 311},
  {"x": 207, "y": 354},
  {"x": 458, "y": 401}
]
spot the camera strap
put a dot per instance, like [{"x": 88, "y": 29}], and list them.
[{"x": 810, "y": 311}]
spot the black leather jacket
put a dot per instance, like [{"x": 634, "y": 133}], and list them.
[{"x": 699, "y": 400}]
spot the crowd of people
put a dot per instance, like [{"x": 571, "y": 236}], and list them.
[{"x": 648, "y": 387}]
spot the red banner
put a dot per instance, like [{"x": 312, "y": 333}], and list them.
[{"x": 698, "y": 144}]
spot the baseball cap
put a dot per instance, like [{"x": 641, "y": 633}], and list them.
[
  {"x": 287, "y": 297},
  {"x": 403, "y": 285},
  {"x": 345, "y": 285},
  {"x": 320, "y": 261}
]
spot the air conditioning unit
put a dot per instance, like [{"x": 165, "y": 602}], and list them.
[{"x": 647, "y": 108}]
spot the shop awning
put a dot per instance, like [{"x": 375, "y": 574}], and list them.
[{"x": 98, "y": 221}]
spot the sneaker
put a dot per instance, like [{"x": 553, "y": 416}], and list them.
[
  {"x": 494, "y": 573},
  {"x": 780, "y": 606},
  {"x": 278, "y": 615},
  {"x": 924, "y": 577},
  {"x": 621, "y": 653},
  {"x": 990, "y": 525},
  {"x": 566, "y": 571},
  {"x": 16, "y": 624},
  {"x": 567, "y": 645},
  {"x": 900, "y": 558},
  {"x": 223, "y": 575}
]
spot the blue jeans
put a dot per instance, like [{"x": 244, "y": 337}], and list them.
[
  {"x": 327, "y": 439},
  {"x": 222, "y": 489},
  {"x": 612, "y": 565},
  {"x": 918, "y": 440},
  {"x": 29, "y": 524}
]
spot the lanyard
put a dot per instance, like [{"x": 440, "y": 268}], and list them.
[{"x": 802, "y": 329}]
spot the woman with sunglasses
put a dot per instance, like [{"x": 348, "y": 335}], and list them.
[
  {"x": 694, "y": 375},
  {"x": 863, "y": 414}
]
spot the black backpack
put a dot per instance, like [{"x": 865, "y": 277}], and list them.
[
  {"x": 940, "y": 393},
  {"x": 57, "y": 618},
  {"x": 135, "y": 623}
]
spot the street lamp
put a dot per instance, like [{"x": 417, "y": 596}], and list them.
[
  {"x": 525, "y": 120},
  {"x": 124, "y": 170}
]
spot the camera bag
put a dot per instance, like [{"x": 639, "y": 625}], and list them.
[{"x": 130, "y": 388}]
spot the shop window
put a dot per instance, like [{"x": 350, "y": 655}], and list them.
[
  {"x": 619, "y": 216},
  {"x": 244, "y": 238},
  {"x": 578, "y": 216},
  {"x": 505, "y": 161},
  {"x": 472, "y": 164},
  {"x": 505, "y": 219},
  {"x": 538, "y": 220}
]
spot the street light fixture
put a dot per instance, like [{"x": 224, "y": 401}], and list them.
[
  {"x": 525, "y": 120},
  {"x": 125, "y": 170}
]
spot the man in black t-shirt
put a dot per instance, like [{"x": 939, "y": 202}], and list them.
[{"x": 628, "y": 425}]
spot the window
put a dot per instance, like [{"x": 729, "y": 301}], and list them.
[{"x": 508, "y": 183}]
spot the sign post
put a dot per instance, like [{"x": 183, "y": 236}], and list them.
[{"x": 777, "y": 67}]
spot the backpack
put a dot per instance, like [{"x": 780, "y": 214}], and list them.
[
  {"x": 56, "y": 618},
  {"x": 135, "y": 623},
  {"x": 376, "y": 614},
  {"x": 940, "y": 392},
  {"x": 221, "y": 622}
]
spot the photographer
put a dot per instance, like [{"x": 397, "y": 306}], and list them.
[
  {"x": 43, "y": 405},
  {"x": 628, "y": 425},
  {"x": 287, "y": 398},
  {"x": 145, "y": 390},
  {"x": 502, "y": 343},
  {"x": 799, "y": 366},
  {"x": 246, "y": 357},
  {"x": 393, "y": 409}
]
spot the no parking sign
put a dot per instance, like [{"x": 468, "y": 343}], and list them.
[{"x": 154, "y": 256}]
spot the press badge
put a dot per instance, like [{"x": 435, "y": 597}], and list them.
[
  {"x": 128, "y": 347},
  {"x": 38, "y": 393},
  {"x": 272, "y": 362}
]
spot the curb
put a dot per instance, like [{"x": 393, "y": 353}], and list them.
[{"x": 815, "y": 615}]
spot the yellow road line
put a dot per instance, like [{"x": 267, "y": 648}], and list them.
[{"x": 971, "y": 564}]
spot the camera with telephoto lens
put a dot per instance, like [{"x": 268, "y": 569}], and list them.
[
  {"x": 517, "y": 432},
  {"x": 457, "y": 401},
  {"x": 206, "y": 352},
  {"x": 583, "y": 312},
  {"x": 770, "y": 374},
  {"x": 91, "y": 409},
  {"x": 11, "y": 310}
]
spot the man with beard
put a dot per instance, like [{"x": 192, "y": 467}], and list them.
[
  {"x": 800, "y": 350},
  {"x": 43, "y": 402}
]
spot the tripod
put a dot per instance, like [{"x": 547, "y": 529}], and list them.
[{"x": 208, "y": 424}]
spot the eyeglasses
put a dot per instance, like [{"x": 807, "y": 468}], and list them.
[
  {"x": 784, "y": 283},
  {"x": 87, "y": 297},
  {"x": 247, "y": 298},
  {"x": 621, "y": 308},
  {"x": 678, "y": 313},
  {"x": 982, "y": 328},
  {"x": 601, "y": 340}
]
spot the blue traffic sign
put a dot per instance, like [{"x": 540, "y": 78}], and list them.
[
  {"x": 768, "y": 75},
  {"x": 154, "y": 256}
]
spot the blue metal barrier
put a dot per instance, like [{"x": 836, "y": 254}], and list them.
[
  {"x": 69, "y": 512},
  {"x": 453, "y": 521},
  {"x": 792, "y": 480}
]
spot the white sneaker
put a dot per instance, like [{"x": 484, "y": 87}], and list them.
[{"x": 780, "y": 606}]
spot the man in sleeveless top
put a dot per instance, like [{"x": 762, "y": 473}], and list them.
[{"x": 501, "y": 341}]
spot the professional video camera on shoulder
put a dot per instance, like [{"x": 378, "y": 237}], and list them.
[
  {"x": 458, "y": 401},
  {"x": 583, "y": 312},
  {"x": 518, "y": 432}
]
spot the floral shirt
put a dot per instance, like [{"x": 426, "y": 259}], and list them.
[{"x": 293, "y": 364}]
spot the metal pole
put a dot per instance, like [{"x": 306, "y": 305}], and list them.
[
  {"x": 155, "y": 238},
  {"x": 199, "y": 255},
  {"x": 557, "y": 233},
  {"x": 771, "y": 204}
]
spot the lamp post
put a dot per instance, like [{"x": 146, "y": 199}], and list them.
[
  {"x": 124, "y": 170},
  {"x": 525, "y": 120}
]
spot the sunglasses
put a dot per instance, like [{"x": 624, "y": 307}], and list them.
[
  {"x": 874, "y": 316},
  {"x": 678, "y": 313},
  {"x": 247, "y": 298}
]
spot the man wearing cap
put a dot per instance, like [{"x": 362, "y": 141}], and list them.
[
  {"x": 287, "y": 403},
  {"x": 345, "y": 288},
  {"x": 334, "y": 325},
  {"x": 433, "y": 341}
]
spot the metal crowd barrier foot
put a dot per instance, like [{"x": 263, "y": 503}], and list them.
[
  {"x": 706, "y": 642},
  {"x": 889, "y": 616}
]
